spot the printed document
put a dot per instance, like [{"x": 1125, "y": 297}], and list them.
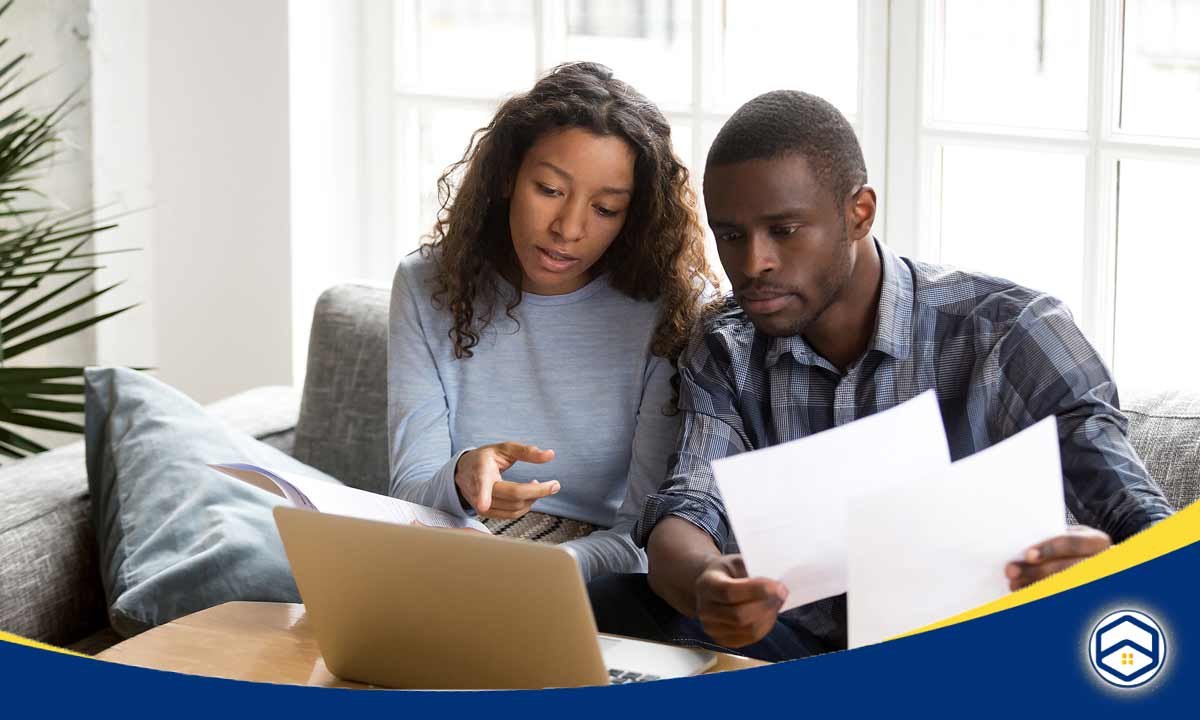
[
  {"x": 926, "y": 550},
  {"x": 787, "y": 503}
]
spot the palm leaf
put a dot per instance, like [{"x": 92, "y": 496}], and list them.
[
  {"x": 41, "y": 320},
  {"x": 19, "y": 313},
  {"x": 14, "y": 375},
  {"x": 9, "y": 353},
  {"x": 33, "y": 403},
  {"x": 38, "y": 421},
  {"x": 39, "y": 388}
]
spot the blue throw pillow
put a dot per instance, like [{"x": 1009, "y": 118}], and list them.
[{"x": 176, "y": 536}]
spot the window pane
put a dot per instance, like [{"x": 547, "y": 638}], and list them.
[
  {"x": 681, "y": 142},
  {"x": 1160, "y": 82},
  {"x": 1016, "y": 62},
  {"x": 647, "y": 43},
  {"x": 1157, "y": 257},
  {"x": 1017, "y": 215},
  {"x": 465, "y": 46},
  {"x": 809, "y": 45},
  {"x": 429, "y": 140}
]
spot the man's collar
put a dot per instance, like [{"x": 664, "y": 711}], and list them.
[{"x": 893, "y": 326}]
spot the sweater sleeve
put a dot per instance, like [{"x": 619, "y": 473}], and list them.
[
  {"x": 419, "y": 454},
  {"x": 613, "y": 550}
]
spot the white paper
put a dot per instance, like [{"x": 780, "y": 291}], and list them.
[
  {"x": 339, "y": 499},
  {"x": 924, "y": 551},
  {"x": 787, "y": 503}
]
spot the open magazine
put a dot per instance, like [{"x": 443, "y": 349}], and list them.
[{"x": 336, "y": 499}]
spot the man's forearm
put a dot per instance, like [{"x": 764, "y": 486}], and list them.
[{"x": 677, "y": 552}]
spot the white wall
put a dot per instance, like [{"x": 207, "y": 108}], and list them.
[
  {"x": 121, "y": 181},
  {"x": 191, "y": 111}
]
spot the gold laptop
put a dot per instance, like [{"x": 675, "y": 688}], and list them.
[{"x": 415, "y": 607}]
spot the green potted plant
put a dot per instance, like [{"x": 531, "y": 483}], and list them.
[{"x": 43, "y": 256}]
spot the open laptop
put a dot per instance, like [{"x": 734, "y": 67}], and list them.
[{"x": 415, "y": 607}]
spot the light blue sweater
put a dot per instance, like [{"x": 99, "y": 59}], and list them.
[{"x": 576, "y": 377}]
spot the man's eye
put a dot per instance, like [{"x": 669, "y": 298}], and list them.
[
  {"x": 784, "y": 230},
  {"x": 729, "y": 237}
]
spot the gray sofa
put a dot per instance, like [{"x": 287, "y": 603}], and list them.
[{"x": 50, "y": 586}]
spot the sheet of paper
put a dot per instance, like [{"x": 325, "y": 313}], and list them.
[
  {"x": 923, "y": 551},
  {"x": 342, "y": 500},
  {"x": 787, "y": 503}
]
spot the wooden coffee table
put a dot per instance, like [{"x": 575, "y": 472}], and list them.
[{"x": 260, "y": 642}]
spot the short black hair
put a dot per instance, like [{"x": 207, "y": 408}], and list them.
[{"x": 785, "y": 122}]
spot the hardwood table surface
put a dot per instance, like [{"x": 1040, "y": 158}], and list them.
[{"x": 259, "y": 642}]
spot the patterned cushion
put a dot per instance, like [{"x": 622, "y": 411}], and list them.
[
  {"x": 1164, "y": 428},
  {"x": 342, "y": 429}
]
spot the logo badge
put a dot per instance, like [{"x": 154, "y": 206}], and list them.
[{"x": 1127, "y": 648}]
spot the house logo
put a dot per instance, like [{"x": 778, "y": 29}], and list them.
[{"x": 1127, "y": 648}]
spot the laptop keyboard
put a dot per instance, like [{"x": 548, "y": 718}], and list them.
[{"x": 624, "y": 677}]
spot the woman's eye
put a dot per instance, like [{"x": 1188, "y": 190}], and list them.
[
  {"x": 548, "y": 190},
  {"x": 605, "y": 212}
]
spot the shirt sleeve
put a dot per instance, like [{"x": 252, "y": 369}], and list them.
[
  {"x": 420, "y": 461},
  {"x": 613, "y": 550},
  {"x": 1049, "y": 368},
  {"x": 712, "y": 429}
]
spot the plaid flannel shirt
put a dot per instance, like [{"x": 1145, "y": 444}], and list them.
[{"x": 1000, "y": 357}]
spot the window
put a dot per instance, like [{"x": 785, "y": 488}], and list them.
[
  {"x": 455, "y": 60},
  {"x": 1043, "y": 140},
  {"x": 1046, "y": 141}
]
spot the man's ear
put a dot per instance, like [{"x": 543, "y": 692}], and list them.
[{"x": 860, "y": 213}]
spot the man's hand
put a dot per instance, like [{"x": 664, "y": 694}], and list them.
[
  {"x": 1057, "y": 553},
  {"x": 734, "y": 609},
  {"x": 477, "y": 477}
]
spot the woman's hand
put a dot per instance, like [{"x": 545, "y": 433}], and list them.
[{"x": 477, "y": 477}]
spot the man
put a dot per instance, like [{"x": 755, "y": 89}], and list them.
[{"x": 826, "y": 326}]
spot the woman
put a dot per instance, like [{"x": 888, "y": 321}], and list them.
[{"x": 534, "y": 334}]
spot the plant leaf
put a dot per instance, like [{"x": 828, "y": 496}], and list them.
[
  {"x": 36, "y": 388},
  {"x": 13, "y": 375},
  {"x": 34, "y": 305},
  {"x": 33, "y": 403},
  {"x": 41, "y": 320},
  {"x": 11, "y": 352},
  {"x": 37, "y": 421}
]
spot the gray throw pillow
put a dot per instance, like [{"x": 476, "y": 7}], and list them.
[{"x": 174, "y": 535}]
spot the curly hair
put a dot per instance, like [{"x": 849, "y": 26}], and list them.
[{"x": 657, "y": 255}]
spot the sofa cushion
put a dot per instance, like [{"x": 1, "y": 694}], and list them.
[
  {"x": 174, "y": 535},
  {"x": 342, "y": 428},
  {"x": 49, "y": 572},
  {"x": 1164, "y": 428}
]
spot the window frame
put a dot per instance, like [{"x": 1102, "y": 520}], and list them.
[
  {"x": 388, "y": 186},
  {"x": 914, "y": 137}
]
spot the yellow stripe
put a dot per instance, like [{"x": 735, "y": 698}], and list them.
[
  {"x": 1179, "y": 530},
  {"x": 18, "y": 640}
]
